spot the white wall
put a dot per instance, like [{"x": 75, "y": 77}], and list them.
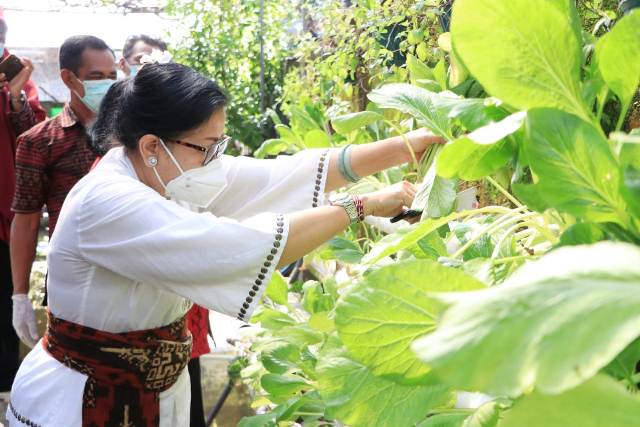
[{"x": 31, "y": 28}]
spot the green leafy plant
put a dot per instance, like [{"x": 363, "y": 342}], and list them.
[
  {"x": 532, "y": 302},
  {"x": 223, "y": 42}
]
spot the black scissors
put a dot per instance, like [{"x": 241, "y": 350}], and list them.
[{"x": 409, "y": 213}]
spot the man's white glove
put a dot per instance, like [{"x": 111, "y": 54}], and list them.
[{"x": 24, "y": 320}]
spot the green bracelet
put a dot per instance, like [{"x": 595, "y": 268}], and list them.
[
  {"x": 344, "y": 165},
  {"x": 341, "y": 167}
]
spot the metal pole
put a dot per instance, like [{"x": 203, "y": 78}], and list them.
[{"x": 216, "y": 408}]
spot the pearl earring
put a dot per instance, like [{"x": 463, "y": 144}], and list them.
[{"x": 153, "y": 161}]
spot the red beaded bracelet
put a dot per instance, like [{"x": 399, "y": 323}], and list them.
[{"x": 359, "y": 207}]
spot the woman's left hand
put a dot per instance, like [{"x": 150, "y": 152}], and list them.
[{"x": 420, "y": 140}]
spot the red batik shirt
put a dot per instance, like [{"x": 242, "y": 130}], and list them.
[
  {"x": 12, "y": 124},
  {"x": 51, "y": 157}
]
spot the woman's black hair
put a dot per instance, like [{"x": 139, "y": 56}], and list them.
[{"x": 166, "y": 100}]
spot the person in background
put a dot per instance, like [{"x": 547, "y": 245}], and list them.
[
  {"x": 134, "y": 48},
  {"x": 19, "y": 110},
  {"x": 50, "y": 158}
]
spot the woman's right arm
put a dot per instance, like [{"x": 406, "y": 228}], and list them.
[
  {"x": 218, "y": 263},
  {"x": 310, "y": 228}
]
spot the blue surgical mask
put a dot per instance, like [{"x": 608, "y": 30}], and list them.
[
  {"x": 94, "y": 91},
  {"x": 133, "y": 69}
]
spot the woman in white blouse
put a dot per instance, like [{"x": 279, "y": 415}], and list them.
[{"x": 126, "y": 257}]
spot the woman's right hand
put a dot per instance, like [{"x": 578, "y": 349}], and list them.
[
  {"x": 390, "y": 201},
  {"x": 310, "y": 228}
]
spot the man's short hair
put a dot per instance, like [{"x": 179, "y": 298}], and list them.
[
  {"x": 132, "y": 40},
  {"x": 72, "y": 49}
]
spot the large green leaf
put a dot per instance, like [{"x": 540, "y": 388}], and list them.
[
  {"x": 292, "y": 409},
  {"x": 288, "y": 135},
  {"x": 301, "y": 334},
  {"x": 410, "y": 237},
  {"x": 307, "y": 405},
  {"x": 353, "y": 121},
  {"x": 342, "y": 250},
  {"x": 388, "y": 309},
  {"x": 440, "y": 73},
  {"x": 473, "y": 113},
  {"x": 283, "y": 386},
  {"x": 277, "y": 289},
  {"x": 481, "y": 152},
  {"x": 486, "y": 415},
  {"x": 278, "y": 356},
  {"x": 629, "y": 149},
  {"x": 436, "y": 196},
  {"x": 431, "y": 246},
  {"x": 316, "y": 138},
  {"x": 272, "y": 147},
  {"x": 575, "y": 166},
  {"x": 360, "y": 399},
  {"x": 599, "y": 402},
  {"x": 262, "y": 420},
  {"x": 272, "y": 319},
  {"x": 552, "y": 325},
  {"x": 437, "y": 111},
  {"x": 624, "y": 366},
  {"x": 418, "y": 102},
  {"x": 528, "y": 58},
  {"x": 582, "y": 233},
  {"x": 631, "y": 191},
  {"x": 316, "y": 299},
  {"x": 302, "y": 121},
  {"x": 444, "y": 420},
  {"x": 618, "y": 54},
  {"x": 418, "y": 70}
]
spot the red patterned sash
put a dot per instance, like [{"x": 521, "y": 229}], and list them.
[{"x": 127, "y": 371}]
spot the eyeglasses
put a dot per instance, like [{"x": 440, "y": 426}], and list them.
[{"x": 211, "y": 152}]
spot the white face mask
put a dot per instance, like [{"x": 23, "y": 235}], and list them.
[{"x": 199, "y": 186}]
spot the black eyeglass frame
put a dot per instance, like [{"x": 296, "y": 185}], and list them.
[{"x": 211, "y": 152}]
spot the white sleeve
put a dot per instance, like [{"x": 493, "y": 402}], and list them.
[
  {"x": 284, "y": 184},
  {"x": 219, "y": 263}
]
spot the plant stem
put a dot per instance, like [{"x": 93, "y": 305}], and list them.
[
  {"x": 509, "y": 232},
  {"x": 623, "y": 115},
  {"x": 310, "y": 414},
  {"x": 550, "y": 237},
  {"x": 504, "y": 192},
  {"x": 366, "y": 232},
  {"x": 406, "y": 142},
  {"x": 502, "y": 222},
  {"x": 514, "y": 258},
  {"x": 601, "y": 106},
  {"x": 452, "y": 411}
]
